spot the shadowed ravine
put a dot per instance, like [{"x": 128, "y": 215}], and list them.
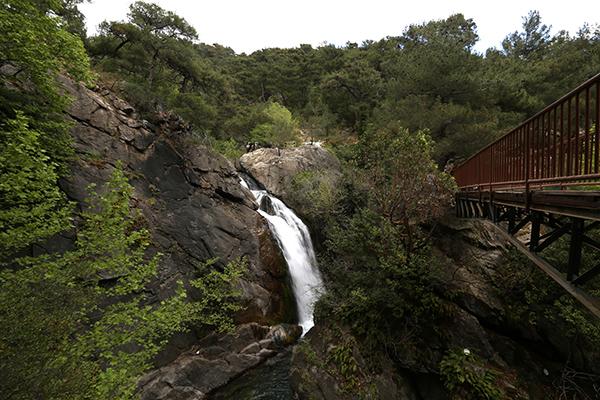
[
  {"x": 270, "y": 381},
  {"x": 295, "y": 243}
]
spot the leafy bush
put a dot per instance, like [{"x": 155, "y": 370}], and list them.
[
  {"x": 316, "y": 196},
  {"x": 229, "y": 148},
  {"x": 465, "y": 376},
  {"x": 68, "y": 318},
  {"x": 218, "y": 293},
  {"x": 32, "y": 205},
  {"x": 278, "y": 127}
]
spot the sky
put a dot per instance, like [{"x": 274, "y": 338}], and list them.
[{"x": 250, "y": 25}]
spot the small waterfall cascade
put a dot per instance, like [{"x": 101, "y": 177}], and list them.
[{"x": 295, "y": 242}]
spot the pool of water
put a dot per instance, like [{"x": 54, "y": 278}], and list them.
[{"x": 269, "y": 381}]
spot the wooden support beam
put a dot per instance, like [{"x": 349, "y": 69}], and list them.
[
  {"x": 577, "y": 225},
  {"x": 536, "y": 221},
  {"x": 587, "y": 275},
  {"x": 589, "y": 302},
  {"x": 553, "y": 237},
  {"x": 591, "y": 242},
  {"x": 521, "y": 224},
  {"x": 511, "y": 218}
]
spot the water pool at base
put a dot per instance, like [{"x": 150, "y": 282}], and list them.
[{"x": 269, "y": 381}]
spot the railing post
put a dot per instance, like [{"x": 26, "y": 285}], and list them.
[
  {"x": 527, "y": 166},
  {"x": 536, "y": 221},
  {"x": 597, "y": 131},
  {"x": 587, "y": 166}
]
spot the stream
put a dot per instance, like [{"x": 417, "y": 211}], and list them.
[{"x": 270, "y": 381}]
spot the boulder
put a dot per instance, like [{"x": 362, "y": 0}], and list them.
[{"x": 274, "y": 169}]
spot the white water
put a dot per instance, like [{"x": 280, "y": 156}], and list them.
[{"x": 294, "y": 240}]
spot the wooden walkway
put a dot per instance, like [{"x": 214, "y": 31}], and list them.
[{"x": 544, "y": 176}]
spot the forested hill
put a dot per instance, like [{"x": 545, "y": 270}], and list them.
[
  {"x": 392, "y": 112},
  {"x": 429, "y": 78}
]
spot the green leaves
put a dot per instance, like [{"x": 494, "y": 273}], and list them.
[
  {"x": 277, "y": 128},
  {"x": 35, "y": 48},
  {"x": 465, "y": 376},
  {"x": 158, "y": 24},
  {"x": 154, "y": 31},
  {"x": 35, "y": 41},
  {"x": 408, "y": 187},
  {"x": 218, "y": 293},
  {"x": 77, "y": 325},
  {"x": 343, "y": 358},
  {"x": 32, "y": 207}
]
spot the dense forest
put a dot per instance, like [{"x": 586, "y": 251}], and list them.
[
  {"x": 411, "y": 104},
  {"x": 430, "y": 79}
]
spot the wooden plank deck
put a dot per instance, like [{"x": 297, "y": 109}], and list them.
[{"x": 573, "y": 203}]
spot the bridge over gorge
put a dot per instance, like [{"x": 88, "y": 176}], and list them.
[{"x": 541, "y": 181}]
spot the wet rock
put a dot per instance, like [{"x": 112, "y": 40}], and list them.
[
  {"x": 284, "y": 334},
  {"x": 266, "y": 205},
  {"x": 210, "y": 365}
]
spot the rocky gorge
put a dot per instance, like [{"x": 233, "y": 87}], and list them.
[{"x": 191, "y": 201}]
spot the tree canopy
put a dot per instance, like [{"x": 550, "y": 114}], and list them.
[
  {"x": 429, "y": 77},
  {"x": 396, "y": 111}
]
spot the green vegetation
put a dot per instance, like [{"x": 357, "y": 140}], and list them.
[
  {"x": 377, "y": 261},
  {"x": 218, "y": 289},
  {"x": 75, "y": 330},
  {"x": 76, "y": 324},
  {"x": 32, "y": 204},
  {"x": 36, "y": 46},
  {"x": 430, "y": 78},
  {"x": 395, "y": 112},
  {"x": 343, "y": 359},
  {"x": 467, "y": 378}
]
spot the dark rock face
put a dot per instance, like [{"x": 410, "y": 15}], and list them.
[
  {"x": 191, "y": 201},
  {"x": 190, "y": 196}
]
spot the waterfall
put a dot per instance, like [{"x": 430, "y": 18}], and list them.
[{"x": 295, "y": 242}]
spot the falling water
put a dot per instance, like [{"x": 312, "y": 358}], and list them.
[{"x": 295, "y": 242}]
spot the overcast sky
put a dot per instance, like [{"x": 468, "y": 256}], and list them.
[{"x": 250, "y": 25}]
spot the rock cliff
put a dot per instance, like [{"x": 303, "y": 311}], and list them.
[{"x": 191, "y": 201}]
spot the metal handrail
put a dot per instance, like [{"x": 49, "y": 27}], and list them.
[{"x": 557, "y": 147}]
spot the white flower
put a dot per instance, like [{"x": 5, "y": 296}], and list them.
[{"x": 467, "y": 351}]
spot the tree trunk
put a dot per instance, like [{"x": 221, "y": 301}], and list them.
[
  {"x": 152, "y": 66},
  {"x": 186, "y": 79}
]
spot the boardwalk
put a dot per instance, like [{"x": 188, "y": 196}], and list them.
[{"x": 544, "y": 176}]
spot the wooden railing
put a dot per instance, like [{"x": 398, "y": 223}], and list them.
[{"x": 558, "y": 147}]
